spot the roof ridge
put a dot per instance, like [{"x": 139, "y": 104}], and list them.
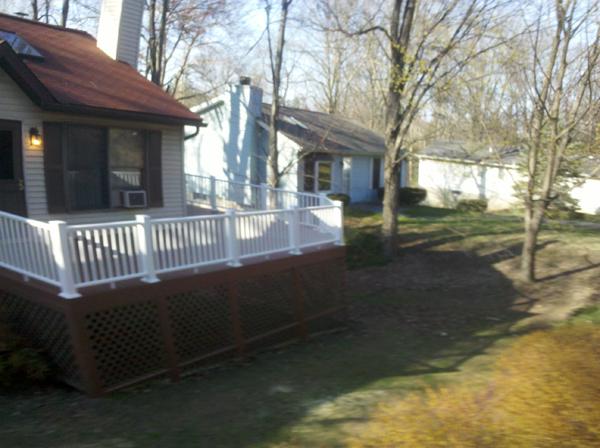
[
  {"x": 335, "y": 116},
  {"x": 47, "y": 25}
]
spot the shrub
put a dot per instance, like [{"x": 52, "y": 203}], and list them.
[
  {"x": 409, "y": 196},
  {"x": 544, "y": 391},
  {"x": 364, "y": 249},
  {"x": 20, "y": 364},
  {"x": 472, "y": 205},
  {"x": 344, "y": 198}
]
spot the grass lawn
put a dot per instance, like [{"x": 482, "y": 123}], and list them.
[{"x": 436, "y": 314}]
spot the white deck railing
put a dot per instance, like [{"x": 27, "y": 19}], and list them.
[
  {"x": 222, "y": 194},
  {"x": 259, "y": 221}
]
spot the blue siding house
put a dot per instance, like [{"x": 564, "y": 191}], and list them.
[{"x": 318, "y": 152}]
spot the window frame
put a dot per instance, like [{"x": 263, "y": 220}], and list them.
[
  {"x": 373, "y": 163},
  {"x": 317, "y": 176},
  {"x": 66, "y": 142}
]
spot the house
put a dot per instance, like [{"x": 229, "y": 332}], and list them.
[
  {"x": 79, "y": 126},
  {"x": 318, "y": 152},
  {"x": 100, "y": 264},
  {"x": 450, "y": 173}
]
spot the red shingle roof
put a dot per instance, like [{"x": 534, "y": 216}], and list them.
[{"x": 80, "y": 78}]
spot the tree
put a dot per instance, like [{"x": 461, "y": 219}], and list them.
[
  {"x": 423, "y": 40},
  {"x": 64, "y": 13},
  {"x": 35, "y": 11},
  {"x": 276, "y": 62},
  {"x": 174, "y": 30},
  {"x": 561, "y": 76}
]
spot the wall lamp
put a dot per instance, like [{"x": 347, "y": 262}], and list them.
[{"x": 35, "y": 138}]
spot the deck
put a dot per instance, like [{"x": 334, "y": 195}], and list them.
[{"x": 228, "y": 224}]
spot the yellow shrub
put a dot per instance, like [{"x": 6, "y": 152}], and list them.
[{"x": 544, "y": 392}]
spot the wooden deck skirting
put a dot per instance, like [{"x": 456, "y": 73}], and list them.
[{"x": 112, "y": 338}]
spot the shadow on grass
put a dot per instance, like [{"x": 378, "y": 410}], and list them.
[{"x": 412, "y": 322}]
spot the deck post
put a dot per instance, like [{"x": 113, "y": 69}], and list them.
[
  {"x": 213, "y": 193},
  {"x": 264, "y": 197},
  {"x": 62, "y": 258},
  {"x": 144, "y": 229},
  {"x": 339, "y": 223},
  {"x": 232, "y": 243},
  {"x": 294, "y": 230}
]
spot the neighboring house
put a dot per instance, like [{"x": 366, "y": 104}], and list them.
[
  {"x": 79, "y": 126},
  {"x": 318, "y": 152},
  {"x": 449, "y": 173}
]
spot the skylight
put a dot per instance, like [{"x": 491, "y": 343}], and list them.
[{"x": 19, "y": 45}]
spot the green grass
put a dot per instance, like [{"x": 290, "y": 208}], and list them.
[{"x": 437, "y": 315}]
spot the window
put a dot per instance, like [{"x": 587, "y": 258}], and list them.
[
  {"x": 324, "y": 176},
  {"x": 126, "y": 156},
  {"x": 6, "y": 156},
  {"x": 100, "y": 163},
  {"x": 309, "y": 174},
  {"x": 86, "y": 160},
  {"x": 19, "y": 44},
  {"x": 376, "y": 174}
]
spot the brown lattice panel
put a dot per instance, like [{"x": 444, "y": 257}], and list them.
[
  {"x": 201, "y": 321},
  {"x": 109, "y": 339},
  {"x": 45, "y": 328},
  {"x": 126, "y": 342}
]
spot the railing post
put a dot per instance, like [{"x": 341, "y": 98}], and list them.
[
  {"x": 339, "y": 223},
  {"x": 62, "y": 258},
  {"x": 213, "y": 193},
  {"x": 294, "y": 230},
  {"x": 231, "y": 241},
  {"x": 264, "y": 197},
  {"x": 144, "y": 229}
]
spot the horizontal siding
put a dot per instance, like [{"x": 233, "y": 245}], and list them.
[
  {"x": 119, "y": 29},
  {"x": 360, "y": 180},
  {"x": 15, "y": 105}
]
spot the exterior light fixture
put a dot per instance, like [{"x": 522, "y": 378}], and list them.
[{"x": 35, "y": 138}]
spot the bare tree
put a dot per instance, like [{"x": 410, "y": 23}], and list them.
[
  {"x": 276, "y": 60},
  {"x": 174, "y": 30},
  {"x": 423, "y": 39},
  {"x": 565, "y": 58}
]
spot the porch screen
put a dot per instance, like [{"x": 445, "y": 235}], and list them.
[
  {"x": 86, "y": 168},
  {"x": 126, "y": 160}
]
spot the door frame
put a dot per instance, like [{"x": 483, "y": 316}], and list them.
[{"x": 19, "y": 172}]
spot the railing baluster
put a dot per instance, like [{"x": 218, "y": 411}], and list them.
[
  {"x": 60, "y": 249},
  {"x": 146, "y": 251},
  {"x": 231, "y": 240}
]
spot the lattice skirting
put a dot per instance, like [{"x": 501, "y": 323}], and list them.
[{"x": 107, "y": 340}]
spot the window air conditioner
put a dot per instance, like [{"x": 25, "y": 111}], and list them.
[{"x": 133, "y": 198}]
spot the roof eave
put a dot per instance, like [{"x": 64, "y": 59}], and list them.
[
  {"x": 41, "y": 96},
  {"x": 122, "y": 114}
]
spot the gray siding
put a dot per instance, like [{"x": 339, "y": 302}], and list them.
[{"x": 15, "y": 105}]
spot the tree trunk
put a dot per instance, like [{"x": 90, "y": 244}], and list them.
[
  {"x": 533, "y": 222},
  {"x": 35, "y": 10},
  {"x": 65, "y": 13},
  {"x": 389, "y": 228},
  {"x": 276, "y": 64}
]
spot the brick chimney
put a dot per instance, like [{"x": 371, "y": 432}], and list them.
[{"x": 120, "y": 28}]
